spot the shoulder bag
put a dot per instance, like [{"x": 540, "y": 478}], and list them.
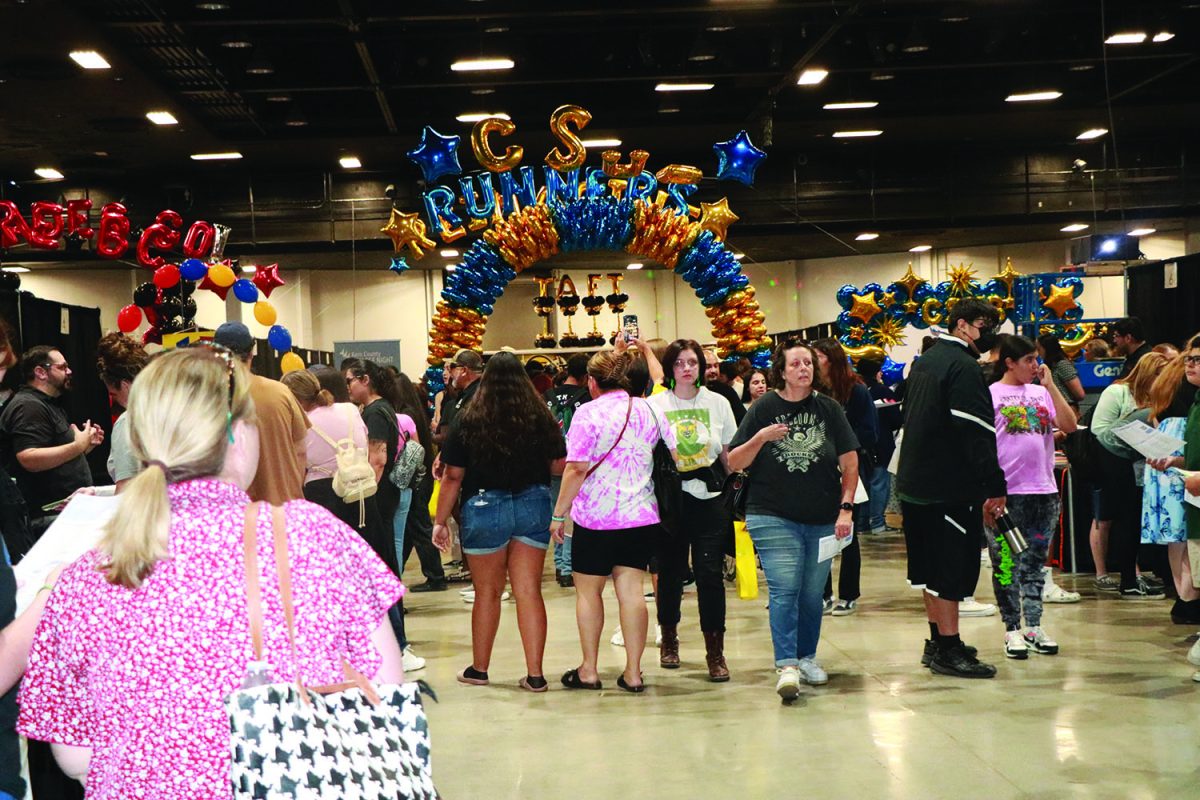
[
  {"x": 347, "y": 740},
  {"x": 668, "y": 486}
]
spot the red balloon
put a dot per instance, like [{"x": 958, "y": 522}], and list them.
[
  {"x": 13, "y": 227},
  {"x": 152, "y": 335},
  {"x": 47, "y": 224},
  {"x": 219, "y": 291},
  {"x": 266, "y": 278},
  {"x": 113, "y": 238},
  {"x": 162, "y": 235},
  {"x": 199, "y": 240},
  {"x": 77, "y": 217},
  {"x": 151, "y": 315},
  {"x": 129, "y": 318},
  {"x": 166, "y": 276}
]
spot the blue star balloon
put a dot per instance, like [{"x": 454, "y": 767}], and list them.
[
  {"x": 399, "y": 264},
  {"x": 437, "y": 155},
  {"x": 737, "y": 159}
]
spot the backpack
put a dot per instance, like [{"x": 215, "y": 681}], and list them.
[
  {"x": 563, "y": 407},
  {"x": 354, "y": 478},
  {"x": 409, "y": 467}
]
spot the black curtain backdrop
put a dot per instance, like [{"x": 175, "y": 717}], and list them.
[
  {"x": 1169, "y": 315},
  {"x": 266, "y": 360}
]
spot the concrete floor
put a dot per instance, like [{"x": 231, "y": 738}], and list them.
[{"x": 1112, "y": 716}]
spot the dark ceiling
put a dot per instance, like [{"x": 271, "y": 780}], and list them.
[{"x": 955, "y": 162}]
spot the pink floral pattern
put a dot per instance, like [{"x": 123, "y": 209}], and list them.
[{"x": 139, "y": 676}]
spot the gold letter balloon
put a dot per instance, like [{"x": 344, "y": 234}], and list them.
[
  {"x": 562, "y": 117},
  {"x": 483, "y": 152}
]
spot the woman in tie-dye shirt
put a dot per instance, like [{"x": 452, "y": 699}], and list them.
[{"x": 608, "y": 490}]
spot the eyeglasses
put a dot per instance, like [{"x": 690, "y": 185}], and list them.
[
  {"x": 1193, "y": 361},
  {"x": 229, "y": 360},
  {"x": 981, "y": 325},
  {"x": 350, "y": 380},
  {"x": 63, "y": 366}
]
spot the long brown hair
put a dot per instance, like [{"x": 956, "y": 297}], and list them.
[
  {"x": 1143, "y": 376},
  {"x": 506, "y": 420},
  {"x": 837, "y": 377},
  {"x": 779, "y": 362}
]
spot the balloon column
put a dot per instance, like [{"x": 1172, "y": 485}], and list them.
[
  {"x": 873, "y": 319},
  {"x": 617, "y": 206}
]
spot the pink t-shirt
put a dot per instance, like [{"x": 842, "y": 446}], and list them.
[
  {"x": 139, "y": 675},
  {"x": 620, "y": 493},
  {"x": 1025, "y": 437},
  {"x": 334, "y": 421}
]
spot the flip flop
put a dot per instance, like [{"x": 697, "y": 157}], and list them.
[
  {"x": 570, "y": 679},
  {"x": 641, "y": 687},
  {"x": 526, "y": 684},
  {"x": 473, "y": 677}
]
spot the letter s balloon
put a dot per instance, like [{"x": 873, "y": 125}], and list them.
[
  {"x": 562, "y": 117},
  {"x": 483, "y": 152}
]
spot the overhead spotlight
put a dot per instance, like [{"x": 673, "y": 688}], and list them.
[
  {"x": 1131, "y": 37},
  {"x": 89, "y": 59},
  {"x": 1092, "y": 133},
  {"x": 855, "y": 134},
  {"x": 1033, "y": 97},
  {"x": 917, "y": 41},
  {"x": 1163, "y": 36},
  {"x": 600, "y": 142},
  {"x": 866, "y": 237},
  {"x": 683, "y": 87},
  {"x": 162, "y": 117},
  {"x": 812, "y": 76},
  {"x": 483, "y": 90},
  {"x": 48, "y": 173},
  {"x": 259, "y": 65},
  {"x": 921, "y": 248},
  {"x": 1142, "y": 231},
  {"x": 701, "y": 51},
  {"x": 295, "y": 119},
  {"x": 482, "y": 64},
  {"x": 236, "y": 41},
  {"x": 882, "y": 76},
  {"x": 14, "y": 269},
  {"x": 634, "y": 266},
  {"x": 1074, "y": 227},
  {"x": 350, "y": 162},
  {"x": 478, "y": 116},
  {"x": 448, "y": 253}
]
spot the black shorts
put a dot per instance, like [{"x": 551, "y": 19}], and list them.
[
  {"x": 598, "y": 552},
  {"x": 943, "y": 548}
]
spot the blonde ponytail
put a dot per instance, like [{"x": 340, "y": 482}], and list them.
[{"x": 182, "y": 408}]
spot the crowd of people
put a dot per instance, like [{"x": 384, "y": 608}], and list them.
[{"x": 621, "y": 462}]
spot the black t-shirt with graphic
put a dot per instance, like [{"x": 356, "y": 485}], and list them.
[
  {"x": 797, "y": 477},
  {"x": 564, "y": 401}
]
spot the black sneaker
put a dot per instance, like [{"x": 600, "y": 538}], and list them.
[
  {"x": 955, "y": 662},
  {"x": 1153, "y": 581},
  {"x": 432, "y": 585},
  {"x": 1186, "y": 612},
  {"x": 1142, "y": 591},
  {"x": 931, "y": 648},
  {"x": 566, "y": 581}
]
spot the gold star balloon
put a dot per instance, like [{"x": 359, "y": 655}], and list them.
[
  {"x": 717, "y": 217},
  {"x": 910, "y": 282},
  {"x": 865, "y": 306},
  {"x": 888, "y": 299},
  {"x": 1060, "y": 301},
  {"x": 887, "y": 332},
  {"x": 1008, "y": 275},
  {"x": 408, "y": 229},
  {"x": 960, "y": 280}
]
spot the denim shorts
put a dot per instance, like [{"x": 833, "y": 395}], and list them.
[{"x": 493, "y": 518}]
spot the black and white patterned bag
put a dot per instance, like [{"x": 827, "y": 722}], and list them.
[{"x": 351, "y": 740}]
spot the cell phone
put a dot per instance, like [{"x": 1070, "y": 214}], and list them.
[{"x": 629, "y": 324}]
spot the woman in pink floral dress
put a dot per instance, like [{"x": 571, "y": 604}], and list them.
[{"x": 145, "y": 636}]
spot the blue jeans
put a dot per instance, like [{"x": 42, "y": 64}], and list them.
[
  {"x": 493, "y": 518},
  {"x": 795, "y": 582},
  {"x": 878, "y": 488},
  {"x": 399, "y": 520},
  {"x": 562, "y": 552}
]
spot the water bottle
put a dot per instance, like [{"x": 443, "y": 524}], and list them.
[
  {"x": 258, "y": 673},
  {"x": 1012, "y": 534}
]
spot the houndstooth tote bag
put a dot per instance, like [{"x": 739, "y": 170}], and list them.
[{"x": 350, "y": 740}]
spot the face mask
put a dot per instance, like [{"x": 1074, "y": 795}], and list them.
[
  {"x": 241, "y": 457},
  {"x": 986, "y": 341}
]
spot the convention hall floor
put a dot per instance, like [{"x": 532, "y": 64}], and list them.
[{"x": 1112, "y": 716}]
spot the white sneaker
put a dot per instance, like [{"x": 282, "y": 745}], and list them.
[
  {"x": 788, "y": 685},
  {"x": 468, "y": 596},
  {"x": 812, "y": 672},
  {"x": 1193, "y": 655},
  {"x": 985, "y": 560},
  {"x": 1196, "y": 676},
  {"x": 412, "y": 662},
  {"x": 970, "y": 607},
  {"x": 618, "y": 638},
  {"x": 1053, "y": 593},
  {"x": 657, "y": 635},
  {"x": 1040, "y": 642},
  {"x": 1014, "y": 646}
]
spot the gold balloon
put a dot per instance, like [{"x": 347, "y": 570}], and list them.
[
  {"x": 1060, "y": 301},
  {"x": 408, "y": 229},
  {"x": 758, "y": 330},
  {"x": 717, "y": 217},
  {"x": 483, "y": 152},
  {"x": 264, "y": 313},
  {"x": 730, "y": 341},
  {"x": 743, "y": 325},
  {"x": 679, "y": 173},
  {"x": 1073, "y": 345},
  {"x": 612, "y": 168},
  {"x": 747, "y": 346},
  {"x": 930, "y": 311},
  {"x": 221, "y": 275},
  {"x": 291, "y": 363},
  {"x": 873, "y": 352},
  {"x": 865, "y": 306},
  {"x": 727, "y": 315},
  {"x": 737, "y": 298},
  {"x": 563, "y": 117},
  {"x": 910, "y": 282},
  {"x": 713, "y": 311}
]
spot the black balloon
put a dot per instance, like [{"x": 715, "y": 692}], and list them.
[
  {"x": 169, "y": 307},
  {"x": 169, "y": 325},
  {"x": 10, "y": 280},
  {"x": 74, "y": 243},
  {"x": 187, "y": 309},
  {"x": 145, "y": 295},
  {"x": 186, "y": 288},
  {"x": 173, "y": 291}
]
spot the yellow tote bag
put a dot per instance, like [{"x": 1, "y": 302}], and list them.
[
  {"x": 744, "y": 565},
  {"x": 437, "y": 488}
]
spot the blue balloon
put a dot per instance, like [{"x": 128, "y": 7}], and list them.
[
  {"x": 436, "y": 155},
  {"x": 399, "y": 265},
  {"x": 843, "y": 296},
  {"x": 892, "y": 372},
  {"x": 193, "y": 269},
  {"x": 245, "y": 290},
  {"x": 737, "y": 159},
  {"x": 279, "y": 338},
  {"x": 761, "y": 359},
  {"x": 873, "y": 288}
]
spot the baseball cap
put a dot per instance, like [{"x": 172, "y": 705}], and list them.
[
  {"x": 469, "y": 359},
  {"x": 236, "y": 336}
]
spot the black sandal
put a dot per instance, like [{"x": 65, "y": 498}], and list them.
[
  {"x": 571, "y": 680},
  {"x": 641, "y": 687}
]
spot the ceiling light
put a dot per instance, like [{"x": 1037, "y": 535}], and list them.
[
  {"x": 601, "y": 142},
  {"x": 1092, "y": 133},
  {"x": 1135, "y": 37},
  {"x": 921, "y": 248},
  {"x": 850, "y": 105},
  {"x": 496, "y": 29},
  {"x": 14, "y": 269},
  {"x": 259, "y": 66},
  {"x": 866, "y": 237},
  {"x": 668, "y": 109},
  {"x": 738, "y": 256},
  {"x": 451, "y": 267},
  {"x": 855, "y": 134},
  {"x": 812, "y": 76},
  {"x": 483, "y": 91},
  {"x": 237, "y": 41},
  {"x": 1142, "y": 231},
  {"x": 1030, "y": 97},
  {"x": 634, "y": 266},
  {"x": 683, "y": 87},
  {"x": 701, "y": 51},
  {"x": 89, "y": 59},
  {"x": 250, "y": 269},
  {"x": 1081, "y": 67},
  {"x": 162, "y": 117},
  {"x": 882, "y": 76},
  {"x": 350, "y": 162},
  {"x": 212, "y": 6},
  {"x": 1074, "y": 227},
  {"x": 279, "y": 98},
  {"x": 719, "y": 28},
  {"x": 1163, "y": 36},
  {"x": 448, "y": 253},
  {"x": 482, "y": 64},
  {"x": 295, "y": 119},
  {"x": 215, "y": 156},
  {"x": 49, "y": 173},
  {"x": 481, "y": 115}
]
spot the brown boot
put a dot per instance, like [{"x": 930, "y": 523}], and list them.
[
  {"x": 714, "y": 646},
  {"x": 668, "y": 651}
]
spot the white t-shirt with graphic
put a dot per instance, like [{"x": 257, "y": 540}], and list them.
[{"x": 703, "y": 425}]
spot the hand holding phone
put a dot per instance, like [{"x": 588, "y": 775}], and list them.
[{"x": 629, "y": 325}]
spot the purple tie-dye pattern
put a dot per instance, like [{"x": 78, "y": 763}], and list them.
[{"x": 620, "y": 493}]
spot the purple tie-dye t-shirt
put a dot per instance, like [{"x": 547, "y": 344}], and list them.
[{"x": 620, "y": 493}]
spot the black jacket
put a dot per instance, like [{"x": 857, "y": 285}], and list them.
[{"x": 949, "y": 450}]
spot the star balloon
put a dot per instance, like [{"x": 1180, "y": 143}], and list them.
[
  {"x": 1008, "y": 275},
  {"x": 865, "y": 306},
  {"x": 399, "y": 265},
  {"x": 207, "y": 283},
  {"x": 408, "y": 229},
  {"x": 1061, "y": 300},
  {"x": 737, "y": 159},
  {"x": 266, "y": 278},
  {"x": 436, "y": 155},
  {"x": 717, "y": 217},
  {"x": 910, "y": 282}
]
